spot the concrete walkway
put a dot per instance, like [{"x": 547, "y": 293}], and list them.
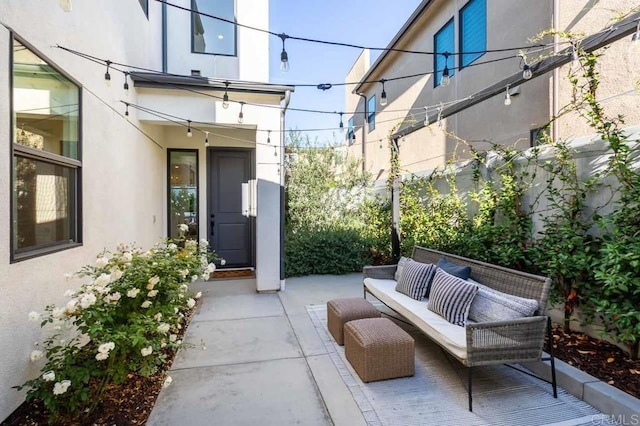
[{"x": 257, "y": 359}]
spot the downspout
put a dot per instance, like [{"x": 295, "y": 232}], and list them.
[
  {"x": 555, "y": 90},
  {"x": 164, "y": 38},
  {"x": 364, "y": 132},
  {"x": 283, "y": 109}
]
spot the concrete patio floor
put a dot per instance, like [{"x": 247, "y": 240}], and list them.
[{"x": 258, "y": 359}]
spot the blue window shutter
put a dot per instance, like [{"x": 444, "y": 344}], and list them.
[
  {"x": 371, "y": 119},
  {"x": 473, "y": 30},
  {"x": 444, "y": 42}
]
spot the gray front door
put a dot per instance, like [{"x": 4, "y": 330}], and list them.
[{"x": 230, "y": 233}]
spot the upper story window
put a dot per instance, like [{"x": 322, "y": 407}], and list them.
[
  {"x": 45, "y": 201},
  {"x": 473, "y": 31},
  {"x": 210, "y": 35},
  {"x": 371, "y": 113},
  {"x": 443, "y": 43},
  {"x": 351, "y": 137},
  {"x": 145, "y": 6}
]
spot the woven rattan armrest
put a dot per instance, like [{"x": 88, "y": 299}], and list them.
[
  {"x": 385, "y": 272},
  {"x": 505, "y": 342}
]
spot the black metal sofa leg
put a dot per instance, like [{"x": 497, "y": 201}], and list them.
[
  {"x": 553, "y": 363},
  {"x": 470, "y": 377}
]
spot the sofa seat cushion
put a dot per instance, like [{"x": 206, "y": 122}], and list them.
[
  {"x": 492, "y": 305},
  {"x": 449, "y": 336}
]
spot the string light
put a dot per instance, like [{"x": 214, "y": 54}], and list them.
[
  {"x": 383, "y": 95},
  {"x": 527, "y": 72},
  {"x": 507, "y": 97},
  {"x": 126, "y": 82},
  {"x": 22, "y": 132},
  {"x": 445, "y": 72},
  {"x": 225, "y": 97},
  {"x": 189, "y": 133},
  {"x": 284, "y": 57},
  {"x": 269, "y": 137},
  {"x": 636, "y": 36},
  {"x": 107, "y": 76},
  {"x": 440, "y": 109},
  {"x": 126, "y": 109},
  {"x": 341, "y": 126},
  {"x": 206, "y": 139},
  {"x": 241, "y": 114},
  {"x": 426, "y": 116},
  {"x": 275, "y": 151},
  {"x": 66, "y": 5}
]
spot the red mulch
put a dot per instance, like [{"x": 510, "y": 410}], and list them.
[{"x": 600, "y": 359}]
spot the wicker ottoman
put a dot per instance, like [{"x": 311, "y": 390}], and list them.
[
  {"x": 378, "y": 349},
  {"x": 339, "y": 311}
]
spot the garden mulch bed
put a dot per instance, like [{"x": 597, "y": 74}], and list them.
[
  {"x": 600, "y": 359},
  {"x": 131, "y": 402}
]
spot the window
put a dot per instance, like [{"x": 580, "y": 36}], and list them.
[
  {"x": 473, "y": 31},
  {"x": 45, "y": 201},
  {"x": 443, "y": 43},
  {"x": 539, "y": 136},
  {"x": 213, "y": 36},
  {"x": 351, "y": 137},
  {"x": 371, "y": 113},
  {"x": 183, "y": 191},
  {"x": 144, "y": 4}
]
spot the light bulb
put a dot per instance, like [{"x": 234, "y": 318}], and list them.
[
  {"x": 284, "y": 61},
  {"x": 225, "y": 101},
  {"x": 189, "y": 134},
  {"x": 507, "y": 99},
  {"x": 341, "y": 126},
  {"x": 66, "y": 5},
  {"x": 383, "y": 98},
  {"x": 107, "y": 76},
  {"x": 526, "y": 72},
  {"x": 269, "y": 137},
  {"x": 240, "y": 117},
  {"x": 445, "y": 80}
]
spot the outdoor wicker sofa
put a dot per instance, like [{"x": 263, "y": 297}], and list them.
[{"x": 476, "y": 344}]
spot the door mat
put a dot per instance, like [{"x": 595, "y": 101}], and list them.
[{"x": 240, "y": 273}]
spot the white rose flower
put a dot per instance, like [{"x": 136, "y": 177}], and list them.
[
  {"x": 71, "y": 306},
  {"x": 146, "y": 304},
  {"x": 163, "y": 344},
  {"x": 157, "y": 316},
  {"x": 61, "y": 387},
  {"x": 102, "y": 262},
  {"x": 101, "y": 356},
  {"x": 211, "y": 268},
  {"x": 167, "y": 382},
  {"x": 172, "y": 247},
  {"x": 194, "y": 278},
  {"x": 173, "y": 337},
  {"x": 106, "y": 347},
  {"x": 204, "y": 244},
  {"x": 133, "y": 293},
  {"x": 183, "y": 227},
  {"x": 223, "y": 262},
  {"x": 152, "y": 293},
  {"x": 184, "y": 273},
  {"x": 69, "y": 293},
  {"x": 191, "y": 246},
  {"x": 49, "y": 376},
  {"x": 153, "y": 281},
  {"x": 34, "y": 316},
  {"x": 114, "y": 297},
  {"x": 87, "y": 300},
  {"x": 36, "y": 355},
  {"x": 175, "y": 310},
  {"x": 183, "y": 288},
  {"x": 57, "y": 313},
  {"x": 164, "y": 328},
  {"x": 146, "y": 351},
  {"x": 191, "y": 303},
  {"x": 116, "y": 274},
  {"x": 178, "y": 342},
  {"x": 127, "y": 257},
  {"x": 198, "y": 295},
  {"x": 102, "y": 280}
]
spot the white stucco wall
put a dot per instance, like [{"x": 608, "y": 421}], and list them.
[{"x": 122, "y": 195}]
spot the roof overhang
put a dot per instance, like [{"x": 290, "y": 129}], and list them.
[
  {"x": 169, "y": 81},
  {"x": 397, "y": 39}
]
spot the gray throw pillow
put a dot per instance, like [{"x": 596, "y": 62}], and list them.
[
  {"x": 403, "y": 260},
  {"x": 493, "y": 305},
  {"x": 415, "y": 279},
  {"x": 463, "y": 272},
  {"x": 451, "y": 297}
]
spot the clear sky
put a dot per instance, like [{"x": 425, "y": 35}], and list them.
[{"x": 362, "y": 22}]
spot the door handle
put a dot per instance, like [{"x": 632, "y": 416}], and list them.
[{"x": 212, "y": 222}]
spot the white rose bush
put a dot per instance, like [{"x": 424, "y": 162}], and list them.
[{"x": 125, "y": 318}]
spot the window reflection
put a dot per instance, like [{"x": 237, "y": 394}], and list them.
[
  {"x": 183, "y": 184},
  {"x": 211, "y": 35}
]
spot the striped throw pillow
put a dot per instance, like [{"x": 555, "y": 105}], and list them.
[
  {"x": 451, "y": 297},
  {"x": 415, "y": 279}
]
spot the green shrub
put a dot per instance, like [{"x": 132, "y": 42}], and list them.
[
  {"x": 124, "y": 319},
  {"x": 324, "y": 251}
]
